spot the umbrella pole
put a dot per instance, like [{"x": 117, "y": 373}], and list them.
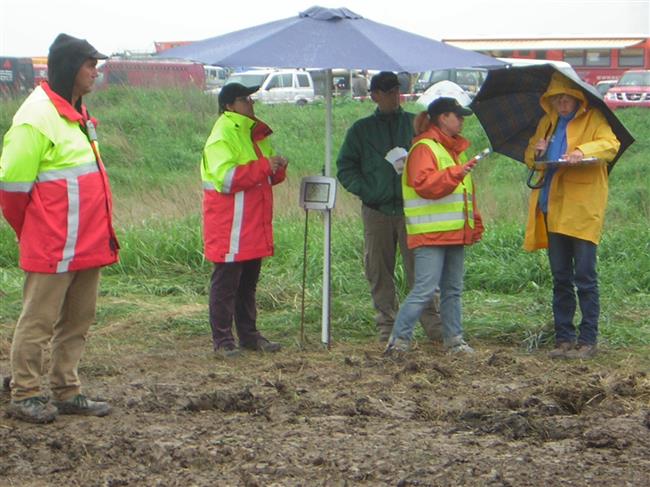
[{"x": 325, "y": 329}]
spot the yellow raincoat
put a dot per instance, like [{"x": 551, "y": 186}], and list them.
[{"x": 578, "y": 195}]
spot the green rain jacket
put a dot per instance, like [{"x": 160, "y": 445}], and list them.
[{"x": 361, "y": 167}]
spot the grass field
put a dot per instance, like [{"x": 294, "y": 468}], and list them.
[{"x": 151, "y": 143}]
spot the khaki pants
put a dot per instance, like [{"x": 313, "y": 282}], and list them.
[
  {"x": 57, "y": 309},
  {"x": 382, "y": 235}
]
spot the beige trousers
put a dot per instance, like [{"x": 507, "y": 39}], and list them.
[{"x": 57, "y": 310}]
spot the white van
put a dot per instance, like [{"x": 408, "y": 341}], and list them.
[
  {"x": 215, "y": 77},
  {"x": 277, "y": 85}
]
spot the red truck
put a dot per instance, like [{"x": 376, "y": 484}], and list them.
[
  {"x": 152, "y": 73},
  {"x": 16, "y": 76}
]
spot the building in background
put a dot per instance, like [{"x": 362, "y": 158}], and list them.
[{"x": 594, "y": 59}]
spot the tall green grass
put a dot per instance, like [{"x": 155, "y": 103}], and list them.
[{"x": 151, "y": 141}]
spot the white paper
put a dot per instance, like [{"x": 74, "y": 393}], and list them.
[{"x": 397, "y": 157}]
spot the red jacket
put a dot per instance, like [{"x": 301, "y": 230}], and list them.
[
  {"x": 237, "y": 190},
  {"x": 54, "y": 190}
]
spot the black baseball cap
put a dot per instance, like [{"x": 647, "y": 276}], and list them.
[
  {"x": 231, "y": 91},
  {"x": 67, "y": 45},
  {"x": 384, "y": 81},
  {"x": 446, "y": 104}
]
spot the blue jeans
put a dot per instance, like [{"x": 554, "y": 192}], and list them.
[
  {"x": 435, "y": 266},
  {"x": 573, "y": 265}
]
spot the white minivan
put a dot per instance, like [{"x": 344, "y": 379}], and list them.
[{"x": 277, "y": 85}]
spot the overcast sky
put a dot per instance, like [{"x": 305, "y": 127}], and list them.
[{"x": 28, "y": 27}]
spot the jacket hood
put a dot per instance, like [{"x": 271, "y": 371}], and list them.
[
  {"x": 561, "y": 84},
  {"x": 66, "y": 56}
]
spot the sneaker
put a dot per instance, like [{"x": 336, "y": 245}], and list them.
[
  {"x": 560, "y": 351},
  {"x": 461, "y": 347},
  {"x": 227, "y": 350},
  {"x": 262, "y": 345},
  {"x": 83, "y": 406},
  {"x": 33, "y": 410},
  {"x": 397, "y": 347},
  {"x": 582, "y": 351}
]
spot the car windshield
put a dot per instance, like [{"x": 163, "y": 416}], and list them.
[
  {"x": 635, "y": 79},
  {"x": 247, "y": 79}
]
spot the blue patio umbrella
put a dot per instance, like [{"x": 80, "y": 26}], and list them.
[{"x": 323, "y": 38}]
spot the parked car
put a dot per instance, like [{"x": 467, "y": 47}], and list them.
[
  {"x": 215, "y": 77},
  {"x": 632, "y": 90},
  {"x": 277, "y": 86},
  {"x": 604, "y": 85},
  {"x": 469, "y": 79}
]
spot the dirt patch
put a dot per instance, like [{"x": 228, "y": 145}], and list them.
[{"x": 342, "y": 417}]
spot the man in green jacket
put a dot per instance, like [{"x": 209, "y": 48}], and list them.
[{"x": 364, "y": 170}]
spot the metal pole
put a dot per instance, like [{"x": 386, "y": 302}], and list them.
[{"x": 325, "y": 329}]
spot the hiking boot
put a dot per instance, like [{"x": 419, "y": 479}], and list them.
[
  {"x": 582, "y": 351},
  {"x": 461, "y": 347},
  {"x": 227, "y": 351},
  {"x": 83, "y": 406},
  {"x": 33, "y": 410},
  {"x": 561, "y": 350},
  {"x": 6, "y": 384},
  {"x": 262, "y": 345},
  {"x": 397, "y": 347}
]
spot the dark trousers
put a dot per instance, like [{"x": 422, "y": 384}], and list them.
[
  {"x": 573, "y": 265},
  {"x": 232, "y": 295}
]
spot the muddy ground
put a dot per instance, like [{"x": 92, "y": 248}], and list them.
[{"x": 343, "y": 417}]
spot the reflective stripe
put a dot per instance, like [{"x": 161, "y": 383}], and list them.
[
  {"x": 68, "y": 172},
  {"x": 235, "y": 231},
  {"x": 227, "y": 181},
  {"x": 435, "y": 218},
  {"x": 16, "y": 187},
  {"x": 451, "y": 198},
  {"x": 208, "y": 186},
  {"x": 73, "y": 225}
]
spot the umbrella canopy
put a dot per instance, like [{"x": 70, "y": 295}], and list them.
[
  {"x": 323, "y": 38},
  {"x": 507, "y": 105}
]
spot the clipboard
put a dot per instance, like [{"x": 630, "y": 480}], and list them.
[{"x": 587, "y": 161}]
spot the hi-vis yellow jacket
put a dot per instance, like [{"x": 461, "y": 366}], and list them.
[
  {"x": 54, "y": 191},
  {"x": 237, "y": 194},
  {"x": 446, "y": 214},
  {"x": 578, "y": 195}
]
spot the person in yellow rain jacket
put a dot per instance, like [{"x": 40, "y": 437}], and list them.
[{"x": 567, "y": 212}]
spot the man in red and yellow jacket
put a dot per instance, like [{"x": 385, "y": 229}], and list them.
[
  {"x": 238, "y": 171},
  {"x": 55, "y": 194}
]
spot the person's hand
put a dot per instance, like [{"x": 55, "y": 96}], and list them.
[
  {"x": 540, "y": 147},
  {"x": 573, "y": 157},
  {"x": 468, "y": 166},
  {"x": 277, "y": 162}
]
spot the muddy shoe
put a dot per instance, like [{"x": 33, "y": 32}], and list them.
[
  {"x": 33, "y": 410},
  {"x": 561, "y": 350},
  {"x": 263, "y": 345},
  {"x": 227, "y": 351},
  {"x": 397, "y": 348},
  {"x": 461, "y": 347},
  {"x": 82, "y": 406},
  {"x": 582, "y": 351}
]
